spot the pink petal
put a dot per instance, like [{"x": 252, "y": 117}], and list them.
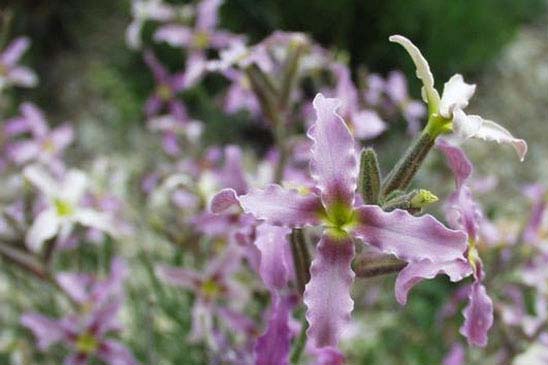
[
  {"x": 327, "y": 294},
  {"x": 158, "y": 70},
  {"x": 174, "y": 35},
  {"x": 333, "y": 163},
  {"x": 46, "y": 331},
  {"x": 36, "y": 119},
  {"x": 273, "y": 245},
  {"x": 14, "y": 51},
  {"x": 367, "y": 124},
  {"x": 114, "y": 353},
  {"x": 456, "y": 356},
  {"x": 21, "y": 152},
  {"x": 76, "y": 285},
  {"x": 184, "y": 278},
  {"x": 407, "y": 237},
  {"x": 224, "y": 200},
  {"x": 282, "y": 207},
  {"x": 274, "y": 345},
  {"x": 328, "y": 356},
  {"x": 62, "y": 136},
  {"x": 22, "y": 76},
  {"x": 459, "y": 164},
  {"x": 206, "y": 14},
  {"x": 232, "y": 174},
  {"x": 478, "y": 315},
  {"x": 415, "y": 272}
]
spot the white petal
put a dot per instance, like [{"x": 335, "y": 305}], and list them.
[
  {"x": 40, "y": 178},
  {"x": 74, "y": 186},
  {"x": 44, "y": 227},
  {"x": 133, "y": 34},
  {"x": 474, "y": 126},
  {"x": 95, "y": 219},
  {"x": 430, "y": 95},
  {"x": 456, "y": 94}
]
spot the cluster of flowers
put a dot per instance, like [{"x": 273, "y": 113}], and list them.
[{"x": 319, "y": 192}]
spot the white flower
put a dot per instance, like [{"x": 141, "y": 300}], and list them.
[
  {"x": 63, "y": 208},
  {"x": 142, "y": 11},
  {"x": 455, "y": 97}
]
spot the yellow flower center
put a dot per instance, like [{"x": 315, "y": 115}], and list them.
[
  {"x": 338, "y": 220},
  {"x": 201, "y": 40},
  {"x": 164, "y": 92},
  {"x": 48, "y": 146},
  {"x": 86, "y": 343},
  {"x": 63, "y": 208},
  {"x": 210, "y": 289}
]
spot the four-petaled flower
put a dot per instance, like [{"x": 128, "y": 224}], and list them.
[{"x": 332, "y": 205}]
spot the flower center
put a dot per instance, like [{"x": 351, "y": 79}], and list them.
[
  {"x": 210, "y": 289},
  {"x": 86, "y": 343},
  {"x": 63, "y": 208},
  {"x": 201, "y": 40},
  {"x": 339, "y": 219},
  {"x": 164, "y": 92},
  {"x": 48, "y": 146}
]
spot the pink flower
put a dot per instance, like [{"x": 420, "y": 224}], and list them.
[{"x": 10, "y": 72}]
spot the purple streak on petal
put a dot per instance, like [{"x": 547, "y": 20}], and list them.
[
  {"x": 282, "y": 207},
  {"x": 463, "y": 212},
  {"x": 76, "y": 359},
  {"x": 327, "y": 294},
  {"x": 274, "y": 345},
  {"x": 456, "y": 355},
  {"x": 112, "y": 286},
  {"x": 184, "y": 278},
  {"x": 206, "y": 14},
  {"x": 415, "y": 272},
  {"x": 46, "y": 331},
  {"x": 224, "y": 200},
  {"x": 333, "y": 163},
  {"x": 459, "y": 164},
  {"x": 14, "y": 51},
  {"x": 478, "y": 315},
  {"x": 178, "y": 110},
  {"x": 104, "y": 319},
  {"x": 409, "y": 238},
  {"x": 114, "y": 353},
  {"x": 158, "y": 70},
  {"x": 273, "y": 245},
  {"x": 328, "y": 356}
]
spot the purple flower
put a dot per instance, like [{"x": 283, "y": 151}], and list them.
[
  {"x": 143, "y": 10},
  {"x": 239, "y": 95},
  {"x": 197, "y": 40},
  {"x": 10, "y": 72},
  {"x": 85, "y": 334},
  {"x": 447, "y": 112},
  {"x": 365, "y": 123},
  {"x": 412, "y": 110},
  {"x": 212, "y": 287},
  {"x": 45, "y": 146},
  {"x": 331, "y": 204},
  {"x": 538, "y": 196}
]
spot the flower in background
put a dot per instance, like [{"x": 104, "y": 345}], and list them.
[
  {"x": 45, "y": 146},
  {"x": 364, "y": 123},
  {"x": 217, "y": 294},
  {"x": 198, "y": 39},
  {"x": 142, "y": 11},
  {"x": 330, "y": 204},
  {"x": 240, "y": 95},
  {"x": 85, "y": 333},
  {"x": 412, "y": 110},
  {"x": 10, "y": 72},
  {"x": 63, "y": 207},
  {"x": 447, "y": 111}
]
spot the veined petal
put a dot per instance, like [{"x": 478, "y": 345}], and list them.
[
  {"x": 459, "y": 164},
  {"x": 282, "y": 207},
  {"x": 274, "y": 345},
  {"x": 423, "y": 70},
  {"x": 415, "y": 272},
  {"x": 272, "y": 243},
  {"x": 327, "y": 294},
  {"x": 407, "y": 237},
  {"x": 224, "y": 200},
  {"x": 478, "y": 315},
  {"x": 333, "y": 164},
  {"x": 456, "y": 94},
  {"x": 44, "y": 227},
  {"x": 474, "y": 126}
]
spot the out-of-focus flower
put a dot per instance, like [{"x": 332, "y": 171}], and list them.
[
  {"x": 331, "y": 204},
  {"x": 173, "y": 129},
  {"x": 538, "y": 195},
  {"x": 447, "y": 111},
  {"x": 213, "y": 286},
  {"x": 412, "y": 110},
  {"x": 364, "y": 123},
  {"x": 10, "y": 72},
  {"x": 85, "y": 333},
  {"x": 142, "y": 11},
  {"x": 196, "y": 40},
  {"x": 45, "y": 146},
  {"x": 240, "y": 95},
  {"x": 63, "y": 207}
]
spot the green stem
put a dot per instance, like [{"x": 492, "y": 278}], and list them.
[
  {"x": 301, "y": 258},
  {"x": 368, "y": 265},
  {"x": 300, "y": 343}
]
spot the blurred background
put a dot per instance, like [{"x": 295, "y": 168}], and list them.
[{"x": 89, "y": 76}]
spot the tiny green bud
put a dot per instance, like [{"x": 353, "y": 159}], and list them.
[
  {"x": 370, "y": 177},
  {"x": 422, "y": 199},
  {"x": 301, "y": 257}
]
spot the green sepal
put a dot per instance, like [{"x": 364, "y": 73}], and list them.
[{"x": 369, "y": 183}]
